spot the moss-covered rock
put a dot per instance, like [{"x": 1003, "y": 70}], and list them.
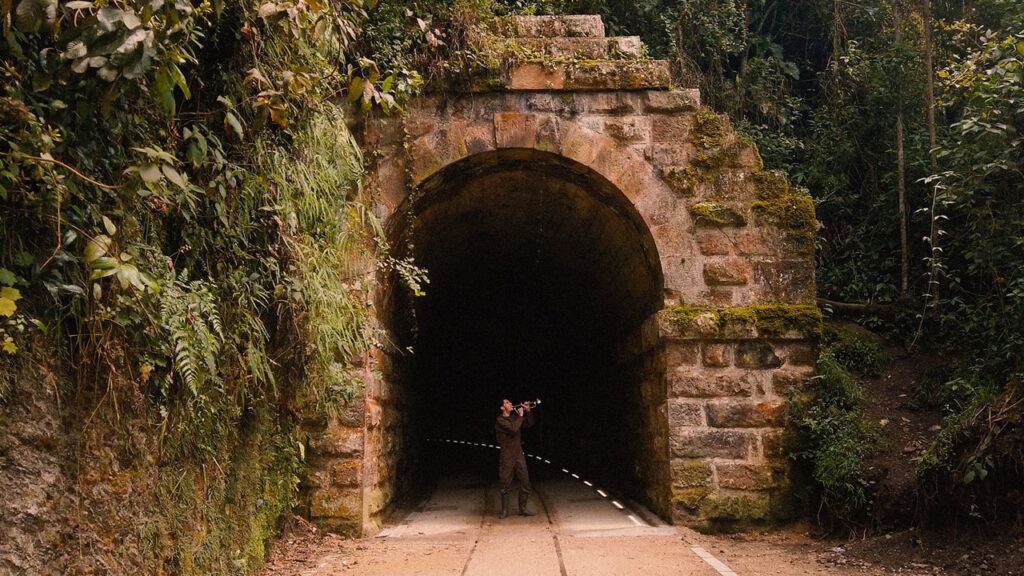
[
  {"x": 716, "y": 215},
  {"x": 859, "y": 350},
  {"x": 792, "y": 213},
  {"x": 759, "y": 321}
]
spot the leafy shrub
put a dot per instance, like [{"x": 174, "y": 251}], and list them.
[
  {"x": 859, "y": 350},
  {"x": 832, "y": 439}
]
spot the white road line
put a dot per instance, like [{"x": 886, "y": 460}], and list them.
[
  {"x": 635, "y": 521},
  {"x": 617, "y": 505},
  {"x": 602, "y": 493},
  {"x": 587, "y": 482},
  {"x": 712, "y": 561},
  {"x": 576, "y": 476}
]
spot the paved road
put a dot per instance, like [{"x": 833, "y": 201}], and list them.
[{"x": 576, "y": 532}]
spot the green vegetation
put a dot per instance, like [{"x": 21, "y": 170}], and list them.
[
  {"x": 831, "y": 440},
  {"x": 858, "y": 350}
]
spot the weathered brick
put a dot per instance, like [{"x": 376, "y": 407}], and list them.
[
  {"x": 711, "y": 443},
  {"x": 739, "y": 414},
  {"x": 685, "y": 413},
  {"x": 690, "y": 384},
  {"x": 728, "y": 272},
  {"x": 716, "y": 355},
  {"x": 757, "y": 355}
]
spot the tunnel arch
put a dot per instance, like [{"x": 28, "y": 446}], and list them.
[{"x": 544, "y": 281}]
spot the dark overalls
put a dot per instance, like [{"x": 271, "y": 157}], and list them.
[{"x": 512, "y": 460}]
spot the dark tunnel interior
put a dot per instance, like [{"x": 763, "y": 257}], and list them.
[{"x": 539, "y": 272}]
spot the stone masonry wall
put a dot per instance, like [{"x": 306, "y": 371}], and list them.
[{"x": 734, "y": 243}]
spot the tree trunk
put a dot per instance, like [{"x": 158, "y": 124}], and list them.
[
  {"x": 929, "y": 85},
  {"x": 901, "y": 165}
]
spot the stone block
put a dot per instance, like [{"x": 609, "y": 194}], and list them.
[
  {"x": 670, "y": 156},
  {"x": 716, "y": 355},
  {"x": 347, "y": 473},
  {"x": 681, "y": 353},
  {"x": 515, "y": 130},
  {"x": 717, "y": 215},
  {"x": 582, "y": 48},
  {"x": 589, "y": 75},
  {"x": 743, "y": 476},
  {"x": 351, "y": 414},
  {"x": 685, "y": 413},
  {"x": 740, "y": 414},
  {"x": 571, "y": 26},
  {"x": 336, "y": 502},
  {"x": 721, "y": 296},
  {"x": 773, "y": 444},
  {"x": 612, "y": 103},
  {"x": 691, "y": 473},
  {"x": 739, "y": 507},
  {"x": 785, "y": 379},
  {"x": 711, "y": 443},
  {"x": 628, "y": 129},
  {"x": 727, "y": 272},
  {"x": 801, "y": 354},
  {"x": 671, "y": 128},
  {"x": 695, "y": 384},
  {"x": 672, "y": 101},
  {"x": 756, "y": 242},
  {"x": 757, "y": 355},
  {"x": 339, "y": 441},
  {"x": 788, "y": 281},
  {"x": 713, "y": 243}
]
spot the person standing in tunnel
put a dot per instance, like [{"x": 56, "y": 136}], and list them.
[{"x": 512, "y": 460}]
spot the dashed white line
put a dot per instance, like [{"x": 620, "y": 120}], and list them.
[
  {"x": 633, "y": 518},
  {"x": 715, "y": 563},
  {"x": 617, "y": 505},
  {"x": 602, "y": 493}
]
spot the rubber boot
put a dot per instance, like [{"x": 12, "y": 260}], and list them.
[
  {"x": 504, "y": 506},
  {"x": 523, "y": 497}
]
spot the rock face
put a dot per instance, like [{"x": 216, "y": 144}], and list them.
[{"x": 734, "y": 245}]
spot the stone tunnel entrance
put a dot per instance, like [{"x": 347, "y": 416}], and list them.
[
  {"x": 542, "y": 278},
  {"x": 596, "y": 238}
]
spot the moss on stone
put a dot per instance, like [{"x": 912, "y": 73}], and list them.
[
  {"x": 737, "y": 508},
  {"x": 710, "y": 130},
  {"x": 683, "y": 181},
  {"x": 793, "y": 213},
  {"x": 694, "y": 473},
  {"x": 714, "y": 214},
  {"x": 690, "y": 498},
  {"x": 764, "y": 320}
]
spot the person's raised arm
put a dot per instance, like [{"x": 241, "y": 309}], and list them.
[{"x": 510, "y": 425}]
